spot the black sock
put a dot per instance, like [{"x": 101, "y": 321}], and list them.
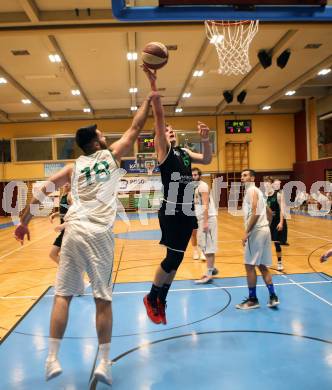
[
  {"x": 153, "y": 295},
  {"x": 279, "y": 259},
  {"x": 163, "y": 292}
]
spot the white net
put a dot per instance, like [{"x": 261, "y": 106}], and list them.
[{"x": 232, "y": 41}]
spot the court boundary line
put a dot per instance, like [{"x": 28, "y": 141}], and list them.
[
  {"x": 309, "y": 291},
  {"x": 12, "y": 329},
  {"x": 291, "y": 283}
]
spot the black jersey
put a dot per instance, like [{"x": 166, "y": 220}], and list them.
[
  {"x": 177, "y": 178},
  {"x": 63, "y": 207},
  {"x": 272, "y": 202}
]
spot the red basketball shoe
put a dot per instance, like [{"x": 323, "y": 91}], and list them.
[{"x": 152, "y": 311}]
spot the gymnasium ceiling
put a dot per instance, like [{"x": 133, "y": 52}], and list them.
[{"x": 93, "y": 47}]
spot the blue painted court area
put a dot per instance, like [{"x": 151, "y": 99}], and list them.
[{"x": 207, "y": 344}]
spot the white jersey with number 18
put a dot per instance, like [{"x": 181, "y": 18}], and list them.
[{"x": 94, "y": 187}]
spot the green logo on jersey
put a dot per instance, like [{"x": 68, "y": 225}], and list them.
[{"x": 186, "y": 160}]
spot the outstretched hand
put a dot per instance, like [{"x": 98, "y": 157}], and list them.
[
  {"x": 151, "y": 75},
  {"x": 20, "y": 232},
  {"x": 203, "y": 131}
]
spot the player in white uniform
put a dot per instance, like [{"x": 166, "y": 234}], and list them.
[
  {"x": 257, "y": 241},
  {"x": 207, "y": 232},
  {"x": 88, "y": 240}
]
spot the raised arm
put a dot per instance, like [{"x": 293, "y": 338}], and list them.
[
  {"x": 58, "y": 180},
  {"x": 205, "y": 157},
  {"x": 121, "y": 147},
  {"x": 161, "y": 142}
]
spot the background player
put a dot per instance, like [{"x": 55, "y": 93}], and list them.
[
  {"x": 273, "y": 199},
  {"x": 257, "y": 242},
  {"x": 207, "y": 232}
]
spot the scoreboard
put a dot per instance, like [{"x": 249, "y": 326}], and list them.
[{"x": 238, "y": 126}]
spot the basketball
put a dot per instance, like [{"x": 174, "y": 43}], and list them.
[{"x": 155, "y": 55}]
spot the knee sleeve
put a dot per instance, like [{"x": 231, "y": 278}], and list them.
[
  {"x": 172, "y": 261},
  {"x": 277, "y": 246}
]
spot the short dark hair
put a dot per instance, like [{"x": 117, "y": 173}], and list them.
[
  {"x": 197, "y": 170},
  {"x": 84, "y": 137},
  {"x": 252, "y": 173},
  {"x": 269, "y": 179}
]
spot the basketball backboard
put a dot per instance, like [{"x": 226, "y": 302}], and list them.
[{"x": 191, "y": 10}]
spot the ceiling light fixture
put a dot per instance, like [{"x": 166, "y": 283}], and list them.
[
  {"x": 54, "y": 58},
  {"x": 198, "y": 73},
  {"x": 324, "y": 72},
  {"x": 132, "y": 56}
]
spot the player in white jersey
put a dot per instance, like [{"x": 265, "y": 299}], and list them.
[
  {"x": 257, "y": 241},
  {"x": 88, "y": 240},
  {"x": 207, "y": 232}
]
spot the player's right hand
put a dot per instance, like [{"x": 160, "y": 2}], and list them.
[
  {"x": 20, "y": 232},
  {"x": 152, "y": 76}
]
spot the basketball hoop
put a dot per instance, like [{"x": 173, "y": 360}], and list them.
[
  {"x": 150, "y": 165},
  {"x": 232, "y": 41}
]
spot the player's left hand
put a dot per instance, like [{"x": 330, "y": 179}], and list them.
[
  {"x": 206, "y": 227},
  {"x": 280, "y": 226},
  {"x": 245, "y": 239},
  {"x": 203, "y": 131},
  {"x": 20, "y": 232},
  {"x": 61, "y": 227}
]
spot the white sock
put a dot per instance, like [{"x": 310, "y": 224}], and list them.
[
  {"x": 53, "y": 347},
  {"x": 104, "y": 351},
  {"x": 209, "y": 271}
]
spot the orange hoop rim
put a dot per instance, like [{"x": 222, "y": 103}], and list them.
[{"x": 230, "y": 23}]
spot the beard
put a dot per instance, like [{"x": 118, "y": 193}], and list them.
[{"x": 103, "y": 145}]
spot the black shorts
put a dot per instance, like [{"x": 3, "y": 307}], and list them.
[
  {"x": 275, "y": 234},
  {"x": 58, "y": 240},
  {"x": 176, "y": 229}
]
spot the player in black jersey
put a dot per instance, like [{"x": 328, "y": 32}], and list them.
[
  {"x": 284, "y": 233},
  {"x": 177, "y": 217},
  {"x": 64, "y": 204},
  {"x": 276, "y": 227}
]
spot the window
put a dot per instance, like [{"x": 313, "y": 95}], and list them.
[
  {"x": 5, "y": 154},
  {"x": 66, "y": 148},
  {"x": 115, "y": 137},
  {"x": 192, "y": 141},
  {"x": 34, "y": 149},
  {"x": 325, "y": 138}
]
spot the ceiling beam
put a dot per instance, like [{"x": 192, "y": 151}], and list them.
[
  {"x": 25, "y": 92},
  {"x": 31, "y": 9},
  {"x": 298, "y": 82},
  {"x": 278, "y": 47},
  {"x": 68, "y": 68},
  {"x": 4, "y": 115}
]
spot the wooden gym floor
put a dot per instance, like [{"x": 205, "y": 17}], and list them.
[{"x": 26, "y": 272}]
